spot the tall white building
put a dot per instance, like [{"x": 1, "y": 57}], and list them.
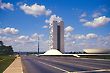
[{"x": 57, "y": 36}]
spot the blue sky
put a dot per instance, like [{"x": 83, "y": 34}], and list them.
[{"x": 75, "y": 13}]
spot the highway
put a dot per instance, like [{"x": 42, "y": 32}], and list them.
[{"x": 49, "y": 64}]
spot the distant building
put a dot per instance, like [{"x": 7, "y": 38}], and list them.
[
  {"x": 97, "y": 51},
  {"x": 57, "y": 36}
]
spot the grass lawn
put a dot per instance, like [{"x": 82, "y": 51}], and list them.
[{"x": 5, "y": 61}]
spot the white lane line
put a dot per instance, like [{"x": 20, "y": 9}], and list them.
[
  {"x": 54, "y": 67},
  {"x": 96, "y": 59},
  {"x": 100, "y": 70},
  {"x": 95, "y": 63},
  {"x": 74, "y": 64},
  {"x": 91, "y": 63}
]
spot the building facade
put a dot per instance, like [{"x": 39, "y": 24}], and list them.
[{"x": 57, "y": 36}]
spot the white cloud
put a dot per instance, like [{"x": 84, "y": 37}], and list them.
[
  {"x": 47, "y": 21},
  {"x": 96, "y": 14},
  {"x": 48, "y": 12},
  {"x": 78, "y": 42},
  {"x": 69, "y": 29},
  {"x": 34, "y": 37},
  {"x": 67, "y": 35},
  {"x": 6, "y": 6},
  {"x": 82, "y": 36},
  {"x": 83, "y": 20},
  {"x": 9, "y": 30},
  {"x": 53, "y": 18},
  {"x": 45, "y": 26},
  {"x": 100, "y": 21},
  {"x": 22, "y": 39},
  {"x": 6, "y": 39},
  {"x": 25, "y": 42},
  {"x": 27, "y": 39},
  {"x": 84, "y": 14},
  {"x": 35, "y": 9},
  {"x": 91, "y": 35},
  {"x": 79, "y": 36},
  {"x": 75, "y": 43}
]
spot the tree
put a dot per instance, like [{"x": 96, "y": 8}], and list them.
[
  {"x": 1, "y": 43},
  {"x": 5, "y": 50}
]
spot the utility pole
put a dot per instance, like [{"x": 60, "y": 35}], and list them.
[{"x": 38, "y": 44}]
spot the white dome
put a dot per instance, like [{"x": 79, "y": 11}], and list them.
[{"x": 53, "y": 52}]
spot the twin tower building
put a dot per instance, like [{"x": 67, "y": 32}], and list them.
[{"x": 57, "y": 36}]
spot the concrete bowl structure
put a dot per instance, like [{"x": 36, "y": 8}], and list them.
[
  {"x": 53, "y": 52},
  {"x": 97, "y": 51}
]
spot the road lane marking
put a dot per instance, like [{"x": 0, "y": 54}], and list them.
[
  {"x": 78, "y": 65},
  {"x": 96, "y": 59},
  {"x": 100, "y": 70},
  {"x": 73, "y": 64},
  {"x": 92, "y": 62},
  {"x": 54, "y": 67}
]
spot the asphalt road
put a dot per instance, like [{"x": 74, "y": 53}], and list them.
[{"x": 46, "y": 64}]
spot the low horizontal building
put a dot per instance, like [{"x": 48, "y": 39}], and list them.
[{"x": 97, "y": 51}]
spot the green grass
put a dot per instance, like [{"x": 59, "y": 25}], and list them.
[{"x": 5, "y": 61}]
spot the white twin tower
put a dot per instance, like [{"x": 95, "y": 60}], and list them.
[{"x": 56, "y": 43}]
